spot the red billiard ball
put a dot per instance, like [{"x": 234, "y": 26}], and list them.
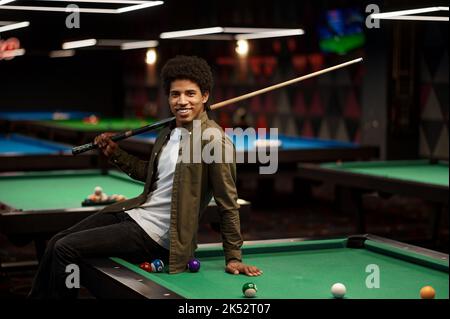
[
  {"x": 146, "y": 266},
  {"x": 193, "y": 265}
]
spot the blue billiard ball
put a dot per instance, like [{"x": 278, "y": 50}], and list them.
[
  {"x": 193, "y": 265},
  {"x": 157, "y": 265}
]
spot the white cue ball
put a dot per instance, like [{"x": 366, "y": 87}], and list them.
[
  {"x": 250, "y": 293},
  {"x": 338, "y": 290}
]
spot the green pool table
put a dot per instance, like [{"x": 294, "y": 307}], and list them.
[
  {"x": 77, "y": 131},
  {"x": 23, "y": 153},
  {"x": 35, "y": 205},
  {"x": 293, "y": 269},
  {"x": 425, "y": 179}
]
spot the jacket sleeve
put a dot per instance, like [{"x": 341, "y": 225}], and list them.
[
  {"x": 130, "y": 164},
  {"x": 222, "y": 177}
]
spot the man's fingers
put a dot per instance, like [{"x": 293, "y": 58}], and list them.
[
  {"x": 104, "y": 140},
  {"x": 253, "y": 271},
  {"x": 243, "y": 269}
]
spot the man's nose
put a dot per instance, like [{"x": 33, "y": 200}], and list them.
[{"x": 182, "y": 99}]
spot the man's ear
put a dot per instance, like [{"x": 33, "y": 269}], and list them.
[{"x": 205, "y": 97}]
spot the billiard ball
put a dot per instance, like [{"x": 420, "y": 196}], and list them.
[
  {"x": 146, "y": 266},
  {"x": 338, "y": 290},
  {"x": 157, "y": 265},
  {"x": 249, "y": 289},
  {"x": 98, "y": 190},
  {"x": 193, "y": 265},
  {"x": 427, "y": 292},
  {"x": 92, "y": 119}
]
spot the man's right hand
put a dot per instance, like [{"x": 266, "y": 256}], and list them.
[{"x": 105, "y": 144}]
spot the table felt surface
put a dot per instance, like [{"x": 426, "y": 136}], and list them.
[
  {"x": 42, "y": 115},
  {"x": 103, "y": 124},
  {"x": 16, "y": 144},
  {"x": 421, "y": 171},
  {"x": 62, "y": 190},
  {"x": 307, "y": 270},
  {"x": 247, "y": 142}
]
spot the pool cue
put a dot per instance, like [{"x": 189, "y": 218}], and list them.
[
  {"x": 86, "y": 147},
  {"x": 282, "y": 84},
  {"x": 120, "y": 136}
]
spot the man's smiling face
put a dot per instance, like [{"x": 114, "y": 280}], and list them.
[{"x": 186, "y": 101}]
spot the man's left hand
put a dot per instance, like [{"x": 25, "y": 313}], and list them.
[{"x": 236, "y": 268}]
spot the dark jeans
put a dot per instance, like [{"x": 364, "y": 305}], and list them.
[{"x": 100, "y": 235}]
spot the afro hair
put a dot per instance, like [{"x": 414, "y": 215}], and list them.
[{"x": 191, "y": 68}]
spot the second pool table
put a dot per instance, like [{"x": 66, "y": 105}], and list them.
[
  {"x": 35, "y": 205},
  {"x": 19, "y": 152},
  {"x": 292, "y": 269},
  {"x": 293, "y": 149},
  {"x": 425, "y": 179},
  {"x": 10, "y": 121},
  {"x": 77, "y": 131}
]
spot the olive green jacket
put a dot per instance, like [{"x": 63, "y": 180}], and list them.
[{"x": 194, "y": 185}]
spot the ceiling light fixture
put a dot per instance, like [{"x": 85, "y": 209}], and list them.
[
  {"x": 79, "y": 44},
  {"x": 230, "y": 33},
  {"x": 13, "y": 25},
  {"x": 269, "y": 34},
  {"x": 139, "y": 45},
  {"x": 188, "y": 33},
  {"x": 408, "y": 14},
  {"x": 136, "y": 5},
  {"x": 62, "y": 53}
]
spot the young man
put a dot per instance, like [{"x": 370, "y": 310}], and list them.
[{"x": 162, "y": 222}]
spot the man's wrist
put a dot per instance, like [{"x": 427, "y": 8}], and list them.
[{"x": 233, "y": 260}]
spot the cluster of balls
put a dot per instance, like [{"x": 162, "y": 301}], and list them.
[
  {"x": 92, "y": 119},
  {"x": 100, "y": 196},
  {"x": 156, "y": 265}
]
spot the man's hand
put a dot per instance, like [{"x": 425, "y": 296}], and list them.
[
  {"x": 236, "y": 268},
  {"x": 104, "y": 142}
]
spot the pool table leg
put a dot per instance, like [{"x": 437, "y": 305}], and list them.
[
  {"x": 357, "y": 197},
  {"x": 436, "y": 222},
  {"x": 350, "y": 200}
]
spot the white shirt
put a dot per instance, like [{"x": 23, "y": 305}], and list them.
[{"x": 154, "y": 215}]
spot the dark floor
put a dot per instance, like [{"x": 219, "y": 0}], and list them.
[{"x": 285, "y": 216}]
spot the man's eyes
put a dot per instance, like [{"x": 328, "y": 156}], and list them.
[{"x": 176, "y": 94}]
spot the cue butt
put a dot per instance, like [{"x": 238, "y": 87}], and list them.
[{"x": 83, "y": 148}]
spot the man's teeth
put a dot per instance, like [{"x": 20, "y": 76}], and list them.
[{"x": 183, "y": 111}]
